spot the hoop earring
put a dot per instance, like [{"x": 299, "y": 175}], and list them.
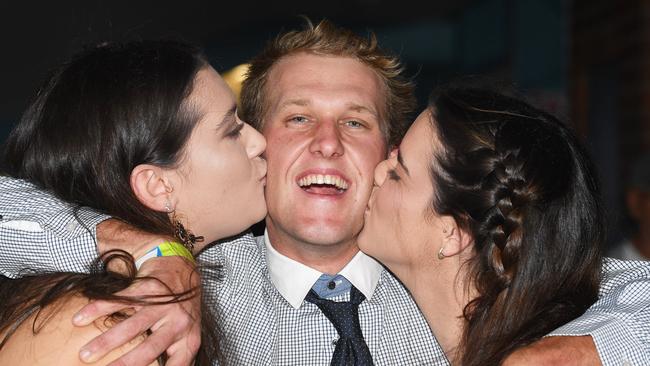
[{"x": 441, "y": 255}]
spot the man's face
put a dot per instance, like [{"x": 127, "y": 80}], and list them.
[{"x": 323, "y": 143}]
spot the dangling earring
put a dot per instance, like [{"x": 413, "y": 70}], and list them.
[
  {"x": 182, "y": 234},
  {"x": 185, "y": 236},
  {"x": 441, "y": 255}
]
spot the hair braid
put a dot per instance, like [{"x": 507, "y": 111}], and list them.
[{"x": 501, "y": 227}]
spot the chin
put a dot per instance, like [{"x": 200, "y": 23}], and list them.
[{"x": 318, "y": 236}]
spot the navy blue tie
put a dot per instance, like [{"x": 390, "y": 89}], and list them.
[{"x": 351, "y": 349}]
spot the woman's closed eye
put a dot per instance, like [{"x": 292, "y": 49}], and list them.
[
  {"x": 392, "y": 174},
  {"x": 235, "y": 132}
]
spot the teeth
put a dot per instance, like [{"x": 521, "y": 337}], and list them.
[{"x": 338, "y": 182}]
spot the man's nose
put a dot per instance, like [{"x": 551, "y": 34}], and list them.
[{"x": 327, "y": 140}]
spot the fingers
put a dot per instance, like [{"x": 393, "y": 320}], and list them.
[
  {"x": 175, "y": 326},
  {"x": 181, "y": 353},
  {"x": 95, "y": 310},
  {"x": 147, "y": 351},
  {"x": 185, "y": 349},
  {"x": 183, "y": 358},
  {"x": 118, "y": 335}
]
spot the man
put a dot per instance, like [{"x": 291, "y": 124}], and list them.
[
  {"x": 330, "y": 104},
  {"x": 326, "y": 116}
]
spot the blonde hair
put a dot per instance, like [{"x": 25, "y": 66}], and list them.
[{"x": 329, "y": 40}]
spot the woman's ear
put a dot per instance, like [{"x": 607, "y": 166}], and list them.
[
  {"x": 454, "y": 239},
  {"x": 152, "y": 187}
]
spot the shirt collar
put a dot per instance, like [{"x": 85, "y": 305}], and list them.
[{"x": 294, "y": 280}]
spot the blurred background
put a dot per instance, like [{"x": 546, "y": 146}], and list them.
[{"x": 586, "y": 61}]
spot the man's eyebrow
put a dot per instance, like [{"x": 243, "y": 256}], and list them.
[
  {"x": 352, "y": 106},
  {"x": 298, "y": 102},
  {"x": 360, "y": 108},
  {"x": 229, "y": 117},
  {"x": 400, "y": 160}
]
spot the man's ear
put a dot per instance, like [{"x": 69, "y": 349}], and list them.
[
  {"x": 152, "y": 187},
  {"x": 454, "y": 239}
]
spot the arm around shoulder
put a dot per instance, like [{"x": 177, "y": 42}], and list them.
[
  {"x": 551, "y": 351},
  {"x": 618, "y": 321},
  {"x": 41, "y": 233}
]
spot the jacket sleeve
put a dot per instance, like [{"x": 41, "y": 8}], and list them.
[
  {"x": 619, "y": 322},
  {"x": 40, "y": 233}
]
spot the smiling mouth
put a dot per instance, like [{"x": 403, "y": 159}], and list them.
[{"x": 323, "y": 184}]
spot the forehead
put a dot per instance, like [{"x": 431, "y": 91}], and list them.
[
  {"x": 420, "y": 139},
  {"x": 210, "y": 92},
  {"x": 325, "y": 80}
]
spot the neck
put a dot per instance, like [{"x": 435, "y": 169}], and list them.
[
  {"x": 328, "y": 258},
  {"x": 439, "y": 291}
]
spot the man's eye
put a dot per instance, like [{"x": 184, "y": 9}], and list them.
[
  {"x": 354, "y": 124},
  {"x": 299, "y": 119},
  {"x": 392, "y": 174}
]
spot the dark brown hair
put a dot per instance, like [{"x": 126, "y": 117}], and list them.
[
  {"x": 326, "y": 39},
  {"x": 112, "y": 107},
  {"x": 520, "y": 183}
]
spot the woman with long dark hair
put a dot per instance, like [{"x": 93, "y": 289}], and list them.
[
  {"x": 489, "y": 213},
  {"x": 145, "y": 132}
]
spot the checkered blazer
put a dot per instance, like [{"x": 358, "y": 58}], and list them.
[
  {"x": 262, "y": 328},
  {"x": 38, "y": 231}
]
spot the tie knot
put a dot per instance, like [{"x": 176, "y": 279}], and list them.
[
  {"x": 344, "y": 315},
  {"x": 356, "y": 298}
]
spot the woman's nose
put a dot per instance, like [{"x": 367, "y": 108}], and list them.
[
  {"x": 255, "y": 144},
  {"x": 380, "y": 173}
]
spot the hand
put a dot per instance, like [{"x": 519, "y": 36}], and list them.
[
  {"x": 115, "y": 234},
  {"x": 175, "y": 327},
  {"x": 556, "y": 350}
]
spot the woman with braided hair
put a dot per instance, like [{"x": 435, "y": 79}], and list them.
[{"x": 489, "y": 214}]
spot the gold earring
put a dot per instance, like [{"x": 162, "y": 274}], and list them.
[{"x": 441, "y": 255}]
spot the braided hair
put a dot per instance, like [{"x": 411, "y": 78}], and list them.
[{"x": 519, "y": 182}]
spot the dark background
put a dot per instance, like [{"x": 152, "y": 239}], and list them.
[{"x": 586, "y": 61}]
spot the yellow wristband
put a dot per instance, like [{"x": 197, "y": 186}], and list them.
[{"x": 166, "y": 249}]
